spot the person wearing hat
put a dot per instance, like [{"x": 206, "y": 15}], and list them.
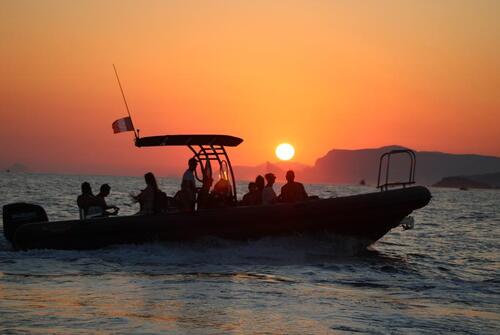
[{"x": 268, "y": 195}]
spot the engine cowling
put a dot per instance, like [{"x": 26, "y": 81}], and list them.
[{"x": 20, "y": 213}]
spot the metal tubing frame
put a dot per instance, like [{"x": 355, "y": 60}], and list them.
[
  {"x": 231, "y": 172},
  {"x": 214, "y": 153},
  {"x": 411, "y": 177}
]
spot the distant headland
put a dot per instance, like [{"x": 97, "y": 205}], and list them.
[
  {"x": 340, "y": 166},
  {"x": 355, "y": 167},
  {"x": 486, "y": 181}
]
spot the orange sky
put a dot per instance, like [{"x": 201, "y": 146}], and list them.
[{"x": 318, "y": 74}]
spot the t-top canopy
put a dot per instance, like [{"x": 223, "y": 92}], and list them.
[{"x": 172, "y": 140}]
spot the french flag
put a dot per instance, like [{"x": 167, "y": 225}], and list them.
[{"x": 123, "y": 124}]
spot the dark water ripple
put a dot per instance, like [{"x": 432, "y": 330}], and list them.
[{"x": 441, "y": 277}]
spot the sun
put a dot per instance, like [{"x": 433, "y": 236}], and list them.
[{"x": 285, "y": 151}]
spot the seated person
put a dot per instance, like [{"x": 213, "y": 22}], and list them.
[
  {"x": 268, "y": 195},
  {"x": 185, "y": 198},
  {"x": 252, "y": 197},
  {"x": 87, "y": 200},
  {"x": 204, "y": 196},
  {"x": 101, "y": 197},
  {"x": 292, "y": 191},
  {"x": 148, "y": 198},
  {"x": 161, "y": 202},
  {"x": 221, "y": 194},
  {"x": 260, "y": 184}
]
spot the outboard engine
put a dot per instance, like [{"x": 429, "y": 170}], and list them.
[{"x": 19, "y": 213}]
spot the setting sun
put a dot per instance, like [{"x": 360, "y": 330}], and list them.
[{"x": 285, "y": 151}]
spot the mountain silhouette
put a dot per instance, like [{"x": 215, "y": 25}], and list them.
[
  {"x": 351, "y": 166},
  {"x": 341, "y": 166}
]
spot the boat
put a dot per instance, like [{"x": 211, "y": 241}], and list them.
[{"x": 364, "y": 217}]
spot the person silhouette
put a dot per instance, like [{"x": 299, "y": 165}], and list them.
[
  {"x": 146, "y": 198},
  {"x": 260, "y": 184},
  {"x": 187, "y": 194},
  {"x": 292, "y": 191},
  {"x": 101, "y": 197},
  {"x": 204, "y": 198},
  {"x": 188, "y": 177},
  {"x": 87, "y": 199},
  {"x": 252, "y": 197},
  {"x": 221, "y": 195},
  {"x": 268, "y": 194}
]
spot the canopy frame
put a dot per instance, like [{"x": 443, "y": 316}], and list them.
[
  {"x": 209, "y": 152},
  {"x": 205, "y": 148}
]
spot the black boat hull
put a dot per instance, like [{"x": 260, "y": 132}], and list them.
[{"x": 365, "y": 217}]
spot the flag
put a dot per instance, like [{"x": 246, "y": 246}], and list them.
[{"x": 123, "y": 124}]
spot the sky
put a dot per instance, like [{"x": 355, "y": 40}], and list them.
[{"x": 317, "y": 74}]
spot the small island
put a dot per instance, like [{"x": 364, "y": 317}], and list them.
[{"x": 483, "y": 181}]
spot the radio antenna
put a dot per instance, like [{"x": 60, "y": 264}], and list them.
[{"x": 125, "y": 100}]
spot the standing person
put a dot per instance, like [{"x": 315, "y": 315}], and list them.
[
  {"x": 259, "y": 183},
  {"x": 268, "y": 194},
  {"x": 188, "y": 179},
  {"x": 101, "y": 197},
  {"x": 186, "y": 197},
  {"x": 292, "y": 191},
  {"x": 147, "y": 196},
  {"x": 86, "y": 199}
]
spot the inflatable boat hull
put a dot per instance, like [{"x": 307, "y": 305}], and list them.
[{"x": 366, "y": 217}]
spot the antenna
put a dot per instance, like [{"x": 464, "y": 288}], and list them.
[{"x": 125, "y": 101}]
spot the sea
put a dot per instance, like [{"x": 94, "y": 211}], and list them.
[{"x": 441, "y": 277}]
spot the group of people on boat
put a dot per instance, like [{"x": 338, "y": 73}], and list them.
[
  {"x": 153, "y": 200},
  {"x": 91, "y": 204},
  {"x": 262, "y": 192}
]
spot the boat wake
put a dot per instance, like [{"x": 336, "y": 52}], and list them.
[{"x": 299, "y": 249}]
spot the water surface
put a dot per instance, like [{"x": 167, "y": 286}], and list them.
[{"x": 443, "y": 276}]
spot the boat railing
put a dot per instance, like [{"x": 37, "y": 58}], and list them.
[{"x": 386, "y": 157}]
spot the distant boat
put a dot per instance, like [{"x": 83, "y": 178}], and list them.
[
  {"x": 364, "y": 217},
  {"x": 16, "y": 168}
]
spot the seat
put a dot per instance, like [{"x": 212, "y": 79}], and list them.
[{"x": 92, "y": 212}]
